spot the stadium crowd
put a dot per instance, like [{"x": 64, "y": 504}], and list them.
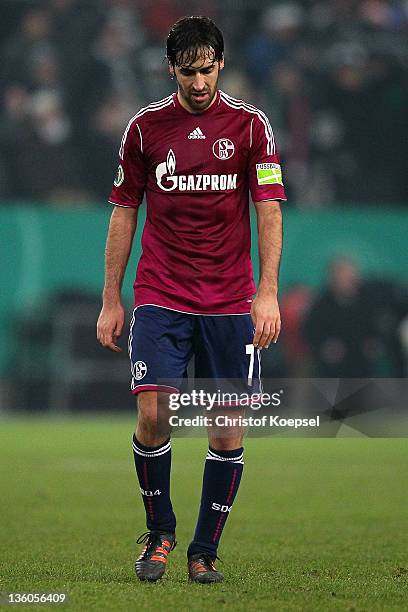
[{"x": 331, "y": 74}]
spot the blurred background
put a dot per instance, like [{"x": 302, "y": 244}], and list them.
[{"x": 332, "y": 76}]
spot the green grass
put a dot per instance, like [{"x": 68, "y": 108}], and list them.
[{"x": 319, "y": 524}]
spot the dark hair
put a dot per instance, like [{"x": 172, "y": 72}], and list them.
[{"x": 188, "y": 36}]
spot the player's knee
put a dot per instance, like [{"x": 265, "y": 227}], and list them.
[
  {"x": 226, "y": 443},
  {"x": 152, "y": 428},
  {"x": 150, "y": 432},
  {"x": 147, "y": 410}
]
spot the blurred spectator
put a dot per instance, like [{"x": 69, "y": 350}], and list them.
[
  {"x": 159, "y": 17},
  {"x": 13, "y": 122},
  {"x": 279, "y": 29},
  {"x": 76, "y": 23},
  {"x": 100, "y": 143},
  {"x": 33, "y": 37},
  {"x": 294, "y": 306},
  {"x": 386, "y": 305},
  {"x": 370, "y": 102},
  {"x": 117, "y": 47},
  {"x": 288, "y": 99},
  {"x": 336, "y": 328},
  {"x": 352, "y": 327},
  {"x": 42, "y": 158}
]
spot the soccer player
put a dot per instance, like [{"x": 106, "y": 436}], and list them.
[{"x": 196, "y": 155}]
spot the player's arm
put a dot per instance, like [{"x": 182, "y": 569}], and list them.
[
  {"x": 111, "y": 320},
  {"x": 266, "y": 187},
  {"x": 265, "y": 308},
  {"x": 127, "y": 194}
]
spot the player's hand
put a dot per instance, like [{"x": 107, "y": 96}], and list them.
[
  {"x": 266, "y": 318},
  {"x": 110, "y": 326}
]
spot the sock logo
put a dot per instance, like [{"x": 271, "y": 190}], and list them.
[
  {"x": 216, "y": 506},
  {"x": 148, "y": 493}
]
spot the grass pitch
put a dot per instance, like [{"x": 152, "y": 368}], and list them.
[{"x": 319, "y": 524}]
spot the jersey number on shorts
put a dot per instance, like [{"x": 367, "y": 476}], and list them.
[{"x": 250, "y": 350}]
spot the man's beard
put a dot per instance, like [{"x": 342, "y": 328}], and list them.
[{"x": 196, "y": 104}]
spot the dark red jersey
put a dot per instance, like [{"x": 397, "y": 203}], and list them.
[{"x": 197, "y": 171}]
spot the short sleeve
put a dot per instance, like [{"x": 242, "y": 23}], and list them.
[
  {"x": 129, "y": 184},
  {"x": 265, "y": 173}
]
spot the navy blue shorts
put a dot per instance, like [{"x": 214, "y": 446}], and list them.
[{"x": 162, "y": 342}]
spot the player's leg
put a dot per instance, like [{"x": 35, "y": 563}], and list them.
[
  {"x": 152, "y": 456},
  {"x": 222, "y": 356},
  {"x": 222, "y": 475},
  {"x": 159, "y": 348}
]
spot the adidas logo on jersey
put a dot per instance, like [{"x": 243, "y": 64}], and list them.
[{"x": 196, "y": 134}]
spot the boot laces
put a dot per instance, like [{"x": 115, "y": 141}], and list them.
[
  {"x": 208, "y": 561},
  {"x": 152, "y": 540}
]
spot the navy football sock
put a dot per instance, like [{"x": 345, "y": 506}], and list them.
[
  {"x": 153, "y": 471},
  {"x": 222, "y": 475}
]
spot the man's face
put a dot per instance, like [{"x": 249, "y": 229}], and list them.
[{"x": 197, "y": 82}]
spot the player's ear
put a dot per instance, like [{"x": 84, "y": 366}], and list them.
[
  {"x": 221, "y": 62},
  {"x": 171, "y": 70}
]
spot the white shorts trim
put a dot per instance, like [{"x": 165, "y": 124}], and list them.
[{"x": 197, "y": 314}]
